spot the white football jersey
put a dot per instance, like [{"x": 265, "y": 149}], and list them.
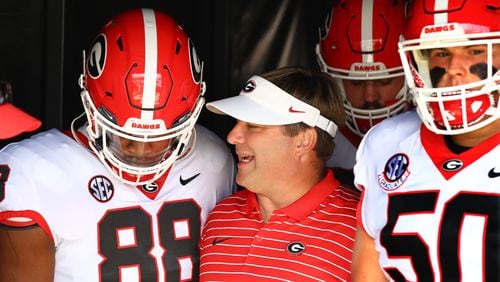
[
  {"x": 105, "y": 230},
  {"x": 434, "y": 214},
  {"x": 344, "y": 156}
]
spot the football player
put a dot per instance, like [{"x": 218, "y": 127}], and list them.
[
  {"x": 430, "y": 179},
  {"x": 358, "y": 47},
  {"x": 130, "y": 203}
]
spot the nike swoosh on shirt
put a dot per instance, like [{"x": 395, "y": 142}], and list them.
[
  {"x": 187, "y": 180},
  {"x": 492, "y": 173},
  {"x": 215, "y": 241}
]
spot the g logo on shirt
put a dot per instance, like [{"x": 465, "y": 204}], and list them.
[
  {"x": 150, "y": 187},
  {"x": 453, "y": 165},
  {"x": 295, "y": 248}
]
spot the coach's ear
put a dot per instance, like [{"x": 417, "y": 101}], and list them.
[{"x": 306, "y": 141}]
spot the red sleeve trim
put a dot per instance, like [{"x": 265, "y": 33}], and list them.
[{"x": 25, "y": 218}]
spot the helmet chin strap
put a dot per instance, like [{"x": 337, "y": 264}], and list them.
[
  {"x": 185, "y": 148},
  {"x": 98, "y": 143}
]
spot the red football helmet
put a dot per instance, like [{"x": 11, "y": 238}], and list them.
[
  {"x": 435, "y": 26},
  {"x": 142, "y": 85},
  {"x": 359, "y": 42}
]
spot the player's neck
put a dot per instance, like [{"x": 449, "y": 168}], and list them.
[
  {"x": 286, "y": 193},
  {"x": 476, "y": 137}
]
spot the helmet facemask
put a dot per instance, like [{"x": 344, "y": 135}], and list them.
[
  {"x": 453, "y": 109},
  {"x": 358, "y": 42},
  {"x": 106, "y": 140},
  {"x": 360, "y": 120}
]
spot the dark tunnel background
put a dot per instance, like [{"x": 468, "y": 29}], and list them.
[{"x": 42, "y": 41}]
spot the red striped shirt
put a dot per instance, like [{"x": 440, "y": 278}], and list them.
[{"x": 309, "y": 240}]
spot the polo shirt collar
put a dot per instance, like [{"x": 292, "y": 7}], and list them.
[{"x": 305, "y": 204}]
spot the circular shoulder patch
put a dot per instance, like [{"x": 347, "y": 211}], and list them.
[
  {"x": 101, "y": 188},
  {"x": 395, "y": 172}
]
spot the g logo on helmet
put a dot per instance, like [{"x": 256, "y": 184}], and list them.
[
  {"x": 325, "y": 28},
  {"x": 97, "y": 57},
  {"x": 195, "y": 62}
]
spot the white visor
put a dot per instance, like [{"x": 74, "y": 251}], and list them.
[{"x": 262, "y": 102}]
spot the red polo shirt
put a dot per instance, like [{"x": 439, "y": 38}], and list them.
[{"x": 309, "y": 240}]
